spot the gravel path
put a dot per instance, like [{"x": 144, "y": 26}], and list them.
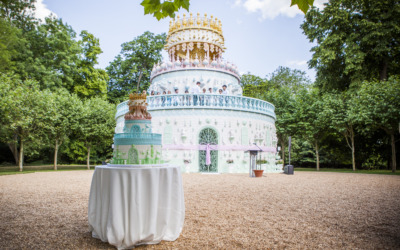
[{"x": 48, "y": 210}]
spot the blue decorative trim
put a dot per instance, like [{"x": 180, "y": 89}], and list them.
[
  {"x": 137, "y": 121},
  {"x": 137, "y": 139}
]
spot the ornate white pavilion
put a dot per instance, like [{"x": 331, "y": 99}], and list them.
[{"x": 227, "y": 124}]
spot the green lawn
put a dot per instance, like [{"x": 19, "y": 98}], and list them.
[
  {"x": 341, "y": 170},
  {"x": 7, "y": 170}
]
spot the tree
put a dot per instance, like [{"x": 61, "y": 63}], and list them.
[
  {"x": 97, "y": 124},
  {"x": 378, "y": 103},
  {"x": 340, "y": 110},
  {"x": 19, "y": 13},
  {"x": 131, "y": 69},
  {"x": 48, "y": 54},
  {"x": 9, "y": 39},
  {"x": 89, "y": 81},
  {"x": 356, "y": 40},
  {"x": 23, "y": 111},
  {"x": 66, "y": 113},
  {"x": 279, "y": 88},
  {"x": 285, "y": 124},
  {"x": 312, "y": 124},
  {"x": 253, "y": 86},
  {"x": 290, "y": 78}
]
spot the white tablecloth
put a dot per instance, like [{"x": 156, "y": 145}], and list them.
[{"x": 136, "y": 205}]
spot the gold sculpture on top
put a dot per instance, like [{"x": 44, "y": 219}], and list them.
[
  {"x": 137, "y": 107},
  {"x": 197, "y": 40},
  {"x": 203, "y": 23},
  {"x": 137, "y": 96}
]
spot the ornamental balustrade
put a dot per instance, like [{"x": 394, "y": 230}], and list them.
[
  {"x": 138, "y": 135},
  {"x": 204, "y": 101}
]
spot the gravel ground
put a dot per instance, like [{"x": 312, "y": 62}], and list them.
[{"x": 48, "y": 210}]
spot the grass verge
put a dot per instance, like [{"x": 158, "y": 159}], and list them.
[
  {"x": 8, "y": 170},
  {"x": 341, "y": 170}
]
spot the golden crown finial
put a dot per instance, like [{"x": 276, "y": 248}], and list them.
[
  {"x": 178, "y": 22},
  {"x": 191, "y": 19},
  {"x": 135, "y": 96},
  {"x": 198, "y": 19},
  {"x": 173, "y": 25},
  {"x": 184, "y": 21},
  {"x": 205, "y": 21},
  {"x": 203, "y": 27}
]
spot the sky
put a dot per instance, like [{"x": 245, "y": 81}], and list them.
[{"x": 260, "y": 35}]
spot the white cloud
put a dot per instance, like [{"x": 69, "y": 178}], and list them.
[
  {"x": 237, "y": 3},
  {"x": 297, "y": 63},
  {"x": 270, "y": 9},
  {"x": 42, "y": 11}
]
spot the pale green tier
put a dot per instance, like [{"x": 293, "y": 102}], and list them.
[
  {"x": 137, "y": 154},
  {"x": 137, "y": 132}
]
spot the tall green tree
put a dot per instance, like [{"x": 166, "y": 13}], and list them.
[
  {"x": 285, "y": 123},
  {"x": 65, "y": 114},
  {"x": 311, "y": 123},
  {"x": 253, "y": 86},
  {"x": 378, "y": 103},
  {"x": 340, "y": 111},
  {"x": 356, "y": 40},
  {"x": 97, "y": 124},
  {"x": 23, "y": 111},
  {"x": 48, "y": 53},
  {"x": 9, "y": 40},
  {"x": 19, "y": 13},
  {"x": 293, "y": 79},
  {"x": 343, "y": 116},
  {"x": 90, "y": 81},
  {"x": 131, "y": 69},
  {"x": 279, "y": 88}
]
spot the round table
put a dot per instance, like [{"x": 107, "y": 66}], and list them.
[{"x": 135, "y": 205}]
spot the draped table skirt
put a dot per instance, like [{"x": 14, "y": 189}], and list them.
[{"x": 136, "y": 205}]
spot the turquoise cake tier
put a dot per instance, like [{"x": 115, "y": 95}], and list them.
[
  {"x": 137, "y": 139},
  {"x": 137, "y": 132}
]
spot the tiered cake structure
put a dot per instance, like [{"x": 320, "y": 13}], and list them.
[
  {"x": 226, "y": 125},
  {"x": 137, "y": 144}
]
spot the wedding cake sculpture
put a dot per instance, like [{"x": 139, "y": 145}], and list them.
[
  {"x": 137, "y": 144},
  {"x": 191, "y": 114}
]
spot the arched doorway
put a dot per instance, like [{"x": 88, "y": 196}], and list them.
[
  {"x": 133, "y": 156},
  {"x": 208, "y": 136}
]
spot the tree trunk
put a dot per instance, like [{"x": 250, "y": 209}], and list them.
[
  {"x": 55, "y": 154},
  {"x": 138, "y": 84},
  {"x": 14, "y": 149},
  {"x": 21, "y": 155},
  {"x": 393, "y": 142},
  {"x": 88, "y": 157},
  {"x": 383, "y": 72},
  {"x": 353, "y": 151},
  {"x": 317, "y": 154},
  {"x": 283, "y": 152}
]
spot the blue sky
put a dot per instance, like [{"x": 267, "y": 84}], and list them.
[{"x": 260, "y": 35}]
